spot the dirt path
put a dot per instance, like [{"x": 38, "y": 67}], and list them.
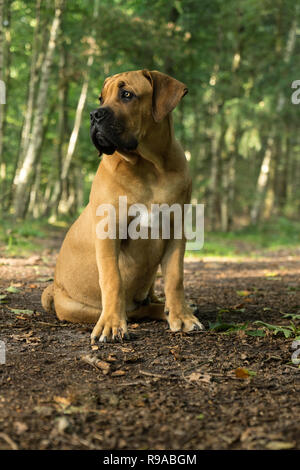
[{"x": 160, "y": 390}]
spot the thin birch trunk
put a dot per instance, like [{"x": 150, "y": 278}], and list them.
[
  {"x": 33, "y": 79},
  {"x": 77, "y": 122},
  {"x": 213, "y": 183},
  {"x": 263, "y": 178},
  {"x": 33, "y": 202},
  {"x": 38, "y": 55},
  {"x": 30, "y": 158},
  {"x": 262, "y": 182},
  {"x": 1, "y": 78},
  {"x": 51, "y": 197}
]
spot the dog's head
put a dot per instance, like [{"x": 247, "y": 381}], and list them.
[{"x": 130, "y": 103}]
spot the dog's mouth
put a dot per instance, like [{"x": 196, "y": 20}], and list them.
[
  {"x": 106, "y": 135},
  {"x": 102, "y": 143}
]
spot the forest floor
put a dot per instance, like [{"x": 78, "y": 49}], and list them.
[{"x": 233, "y": 386}]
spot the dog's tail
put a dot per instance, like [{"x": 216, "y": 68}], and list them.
[{"x": 48, "y": 299}]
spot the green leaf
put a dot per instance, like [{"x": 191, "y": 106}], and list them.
[
  {"x": 243, "y": 293},
  {"x": 223, "y": 310},
  {"x": 3, "y": 299},
  {"x": 227, "y": 327},
  {"x": 22, "y": 312},
  {"x": 293, "y": 316},
  {"x": 287, "y": 331},
  {"x": 13, "y": 290},
  {"x": 256, "y": 332}
]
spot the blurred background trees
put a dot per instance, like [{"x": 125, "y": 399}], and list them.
[{"x": 238, "y": 125}]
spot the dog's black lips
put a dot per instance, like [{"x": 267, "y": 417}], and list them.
[
  {"x": 103, "y": 145},
  {"x": 108, "y": 144},
  {"x": 106, "y": 134}
]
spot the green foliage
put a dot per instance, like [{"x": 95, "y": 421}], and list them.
[
  {"x": 251, "y": 241},
  {"x": 289, "y": 331},
  {"x": 234, "y": 60},
  {"x": 25, "y": 237}
]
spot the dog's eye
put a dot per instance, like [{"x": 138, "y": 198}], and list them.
[
  {"x": 100, "y": 99},
  {"x": 126, "y": 95}
]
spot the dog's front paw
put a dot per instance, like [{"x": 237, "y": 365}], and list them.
[
  {"x": 183, "y": 319},
  {"x": 110, "y": 327}
]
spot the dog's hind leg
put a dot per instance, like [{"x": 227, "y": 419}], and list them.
[
  {"x": 71, "y": 310},
  {"x": 151, "y": 311}
]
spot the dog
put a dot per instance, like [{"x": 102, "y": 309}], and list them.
[{"x": 107, "y": 281}]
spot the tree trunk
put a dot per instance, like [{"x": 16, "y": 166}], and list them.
[
  {"x": 213, "y": 184},
  {"x": 34, "y": 205},
  {"x": 214, "y": 196},
  {"x": 262, "y": 182},
  {"x": 77, "y": 123},
  {"x": 263, "y": 177},
  {"x": 2, "y": 91},
  {"x": 51, "y": 200},
  {"x": 30, "y": 158},
  {"x": 284, "y": 176},
  {"x": 4, "y": 110},
  {"x": 33, "y": 80},
  {"x": 38, "y": 55}
]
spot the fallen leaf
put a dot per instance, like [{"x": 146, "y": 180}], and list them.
[
  {"x": 243, "y": 293},
  {"x": 3, "y": 299},
  {"x": 22, "y": 312},
  {"x": 199, "y": 377},
  {"x": 111, "y": 358},
  {"x": 127, "y": 349},
  {"x": 238, "y": 306},
  {"x": 13, "y": 290},
  {"x": 280, "y": 445},
  {"x": 245, "y": 434},
  {"x": 62, "y": 400},
  {"x": 176, "y": 353},
  {"x": 20, "y": 427},
  {"x": 118, "y": 373},
  {"x": 62, "y": 424},
  {"x": 242, "y": 373},
  {"x": 104, "y": 366}
]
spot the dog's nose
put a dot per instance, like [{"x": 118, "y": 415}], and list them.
[{"x": 98, "y": 114}]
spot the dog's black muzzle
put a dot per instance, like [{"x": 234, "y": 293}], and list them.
[{"x": 106, "y": 132}]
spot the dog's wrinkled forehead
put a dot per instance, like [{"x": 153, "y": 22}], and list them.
[{"x": 134, "y": 81}]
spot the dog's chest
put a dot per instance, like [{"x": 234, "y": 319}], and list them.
[{"x": 167, "y": 189}]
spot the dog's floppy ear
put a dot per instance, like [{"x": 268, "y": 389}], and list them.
[{"x": 167, "y": 92}]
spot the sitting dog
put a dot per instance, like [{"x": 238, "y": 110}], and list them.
[{"x": 107, "y": 281}]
